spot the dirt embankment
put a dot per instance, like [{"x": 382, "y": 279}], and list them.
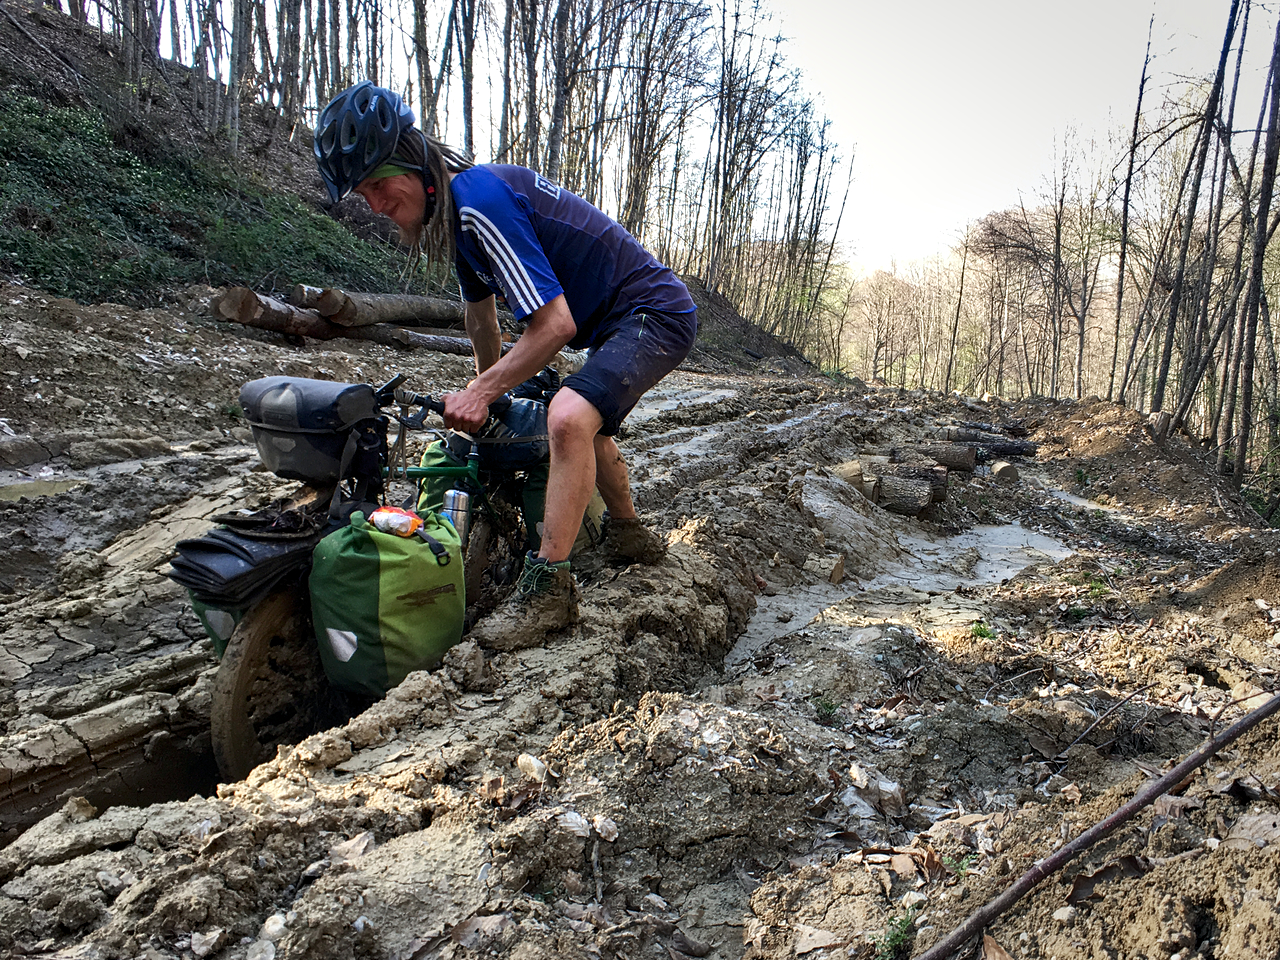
[{"x": 816, "y": 729}]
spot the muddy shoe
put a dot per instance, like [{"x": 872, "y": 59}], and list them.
[
  {"x": 632, "y": 540},
  {"x": 545, "y": 600}
]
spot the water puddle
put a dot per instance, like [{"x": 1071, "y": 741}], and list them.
[
  {"x": 12, "y": 492},
  {"x": 1082, "y": 502},
  {"x": 983, "y": 555},
  {"x": 661, "y": 401}
]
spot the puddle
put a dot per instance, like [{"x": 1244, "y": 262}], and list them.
[
  {"x": 1082, "y": 502},
  {"x": 983, "y": 555},
  {"x": 36, "y": 488},
  {"x": 661, "y": 401}
]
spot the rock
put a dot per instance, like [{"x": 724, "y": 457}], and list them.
[{"x": 1065, "y": 914}]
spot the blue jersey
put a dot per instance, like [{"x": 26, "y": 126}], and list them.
[{"x": 522, "y": 236}]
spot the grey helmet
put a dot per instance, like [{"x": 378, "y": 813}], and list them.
[{"x": 357, "y": 133}]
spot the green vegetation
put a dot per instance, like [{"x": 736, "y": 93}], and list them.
[
  {"x": 895, "y": 942},
  {"x": 828, "y": 710},
  {"x": 959, "y": 866},
  {"x": 981, "y": 630},
  {"x": 1076, "y": 614},
  {"x": 85, "y": 219}
]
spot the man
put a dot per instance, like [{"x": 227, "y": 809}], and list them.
[{"x": 576, "y": 276}]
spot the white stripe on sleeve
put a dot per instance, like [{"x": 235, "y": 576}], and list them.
[{"x": 515, "y": 278}]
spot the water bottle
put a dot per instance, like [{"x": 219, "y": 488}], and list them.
[{"x": 457, "y": 507}]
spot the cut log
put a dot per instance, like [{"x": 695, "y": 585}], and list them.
[
  {"x": 242, "y": 305},
  {"x": 934, "y": 474},
  {"x": 904, "y": 495},
  {"x": 1013, "y": 428},
  {"x": 363, "y": 309},
  {"x": 304, "y": 296},
  {"x": 851, "y": 473},
  {"x": 953, "y": 456},
  {"x": 988, "y": 443}
]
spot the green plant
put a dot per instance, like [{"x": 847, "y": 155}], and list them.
[
  {"x": 828, "y": 709},
  {"x": 959, "y": 866},
  {"x": 895, "y": 942},
  {"x": 1076, "y": 614},
  {"x": 981, "y": 630},
  {"x": 1082, "y": 477},
  {"x": 1098, "y": 588}
]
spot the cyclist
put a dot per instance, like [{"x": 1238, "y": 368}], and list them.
[{"x": 576, "y": 276}]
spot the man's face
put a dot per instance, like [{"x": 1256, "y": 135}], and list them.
[{"x": 401, "y": 198}]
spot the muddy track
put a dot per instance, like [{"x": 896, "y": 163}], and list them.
[{"x": 814, "y": 724}]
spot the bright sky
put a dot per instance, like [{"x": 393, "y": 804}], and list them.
[{"x": 952, "y": 108}]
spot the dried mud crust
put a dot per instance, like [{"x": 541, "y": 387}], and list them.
[{"x": 887, "y": 752}]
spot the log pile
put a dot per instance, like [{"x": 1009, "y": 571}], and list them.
[
  {"x": 242, "y": 305},
  {"x": 914, "y": 477}
]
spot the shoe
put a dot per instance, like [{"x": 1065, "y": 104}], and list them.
[
  {"x": 632, "y": 540},
  {"x": 545, "y": 599}
]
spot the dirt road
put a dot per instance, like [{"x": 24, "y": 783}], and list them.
[{"x": 816, "y": 729}]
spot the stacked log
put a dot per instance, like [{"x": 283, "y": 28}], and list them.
[
  {"x": 905, "y": 495},
  {"x": 953, "y": 456},
  {"x": 365, "y": 309},
  {"x": 242, "y": 305},
  {"x": 988, "y": 443}
]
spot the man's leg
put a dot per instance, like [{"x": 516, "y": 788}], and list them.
[
  {"x": 611, "y": 479},
  {"x": 572, "y": 423}
]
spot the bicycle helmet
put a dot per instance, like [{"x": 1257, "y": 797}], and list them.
[{"x": 357, "y": 133}]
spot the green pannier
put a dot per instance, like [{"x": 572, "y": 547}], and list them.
[{"x": 383, "y": 605}]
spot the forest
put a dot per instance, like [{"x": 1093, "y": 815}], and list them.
[{"x": 1138, "y": 271}]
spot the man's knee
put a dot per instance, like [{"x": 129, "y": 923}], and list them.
[{"x": 571, "y": 418}]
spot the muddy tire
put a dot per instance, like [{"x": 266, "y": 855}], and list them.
[
  {"x": 477, "y": 557},
  {"x": 270, "y": 687}
]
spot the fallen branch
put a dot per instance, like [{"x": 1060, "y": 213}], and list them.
[
  {"x": 242, "y": 305},
  {"x": 985, "y": 914}
]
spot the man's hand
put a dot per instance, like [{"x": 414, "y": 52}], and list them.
[{"x": 467, "y": 410}]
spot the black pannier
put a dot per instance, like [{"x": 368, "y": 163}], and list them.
[{"x": 301, "y": 427}]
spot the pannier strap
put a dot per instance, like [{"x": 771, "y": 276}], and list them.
[
  {"x": 348, "y": 454},
  {"x": 279, "y": 428},
  {"x": 439, "y": 549},
  {"x": 534, "y": 438}
]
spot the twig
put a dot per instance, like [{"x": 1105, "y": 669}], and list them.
[
  {"x": 1001, "y": 683},
  {"x": 985, "y": 914},
  {"x": 1114, "y": 708}
]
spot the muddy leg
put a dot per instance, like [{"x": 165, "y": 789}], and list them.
[{"x": 572, "y": 423}]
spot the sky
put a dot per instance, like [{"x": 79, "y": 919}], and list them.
[{"x": 953, "y": 108}]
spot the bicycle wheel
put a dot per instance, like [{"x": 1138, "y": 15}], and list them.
[
  {"x": 270, "y": 687},
  {"x": 477, "y": 557}
]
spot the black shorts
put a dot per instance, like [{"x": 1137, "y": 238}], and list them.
[{"x": 642, "y": 349}]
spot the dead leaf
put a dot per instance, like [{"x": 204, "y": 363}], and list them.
[
  {"x": 929, "y": 862},
  {"x": 469, "y": 933},
  {"x": 813, "y": 938},
  {"x": 1070, "y": 792},
  {"x": 1254, "y": 831},
  {"x": 992, "y": 950},
  {"x": 353, "y": 849},
  {"x": 1044, "y": 745},
  {"x": 904, "y": 865},
  {"x": 686, "y": 944},
  {"x": 607, "y": 829},
  {"x": 1174, "y": 807},
  {"x": 575, "y": 823},
  {"x": 491, "y": 789},
  {"x": 1086, "y": 884}
]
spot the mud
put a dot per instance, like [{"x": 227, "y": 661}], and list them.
[{"x": 815, "y": 729}]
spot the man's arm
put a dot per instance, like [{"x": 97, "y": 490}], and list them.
[
  {"x": 481, "y": 320},
  {"x": 550, "y": 327}
]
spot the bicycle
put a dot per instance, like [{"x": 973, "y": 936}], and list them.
[{"x": 270, "y": 687}]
